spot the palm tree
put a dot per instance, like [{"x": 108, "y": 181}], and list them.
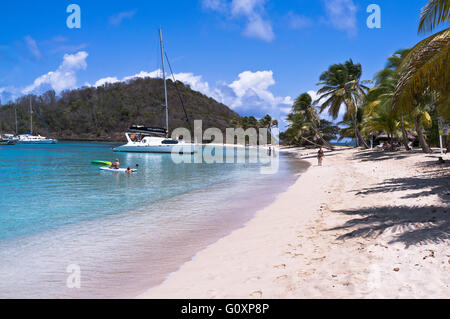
[
  {"x": 386, "y": 81},
  {"x": 304, "y": 105},
  {"x": 342, "y": 85},
  {"x": 383, "y": 120},
  {"x": 347, "y": 127},
  {"x": 436, "y": 12},
  {"x": 427, "y": 65},
  {"x": 300, "y": 128}
]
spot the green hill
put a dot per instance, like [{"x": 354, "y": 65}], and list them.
[{"x": 106, "y": 112}]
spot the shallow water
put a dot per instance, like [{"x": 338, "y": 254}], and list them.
[{"x": 125, "y": 232}]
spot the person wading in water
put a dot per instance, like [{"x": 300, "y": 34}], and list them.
[{"x": 320, "y": 156}]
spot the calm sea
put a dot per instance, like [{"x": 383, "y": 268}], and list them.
[{"x": 125, "y": 233}]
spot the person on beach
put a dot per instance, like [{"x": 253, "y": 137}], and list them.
[
  {"x": 320, "y": 156},
  {"x": 269, "y": 152}
]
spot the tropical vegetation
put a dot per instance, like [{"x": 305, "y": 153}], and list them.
[
  {"x": 106, "y": 112},
  {"x": 402, "y": 103}
]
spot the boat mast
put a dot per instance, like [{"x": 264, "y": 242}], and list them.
[
  {"x": 165, "y": 82},
  {"x": 15, "y": 115},
  {"x": 31, "y": 118}
]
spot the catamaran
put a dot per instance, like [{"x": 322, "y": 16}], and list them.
[
  {"x": 29, "y": 138},
  {"x": 143, "y": 139}
]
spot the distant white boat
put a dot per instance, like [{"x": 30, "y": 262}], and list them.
[
  {"x": 33, "y": 139},
  {"x": 29, "y": 138},
  {"x": 151, "y": 140},
  {"x": 155, "y": 140}
]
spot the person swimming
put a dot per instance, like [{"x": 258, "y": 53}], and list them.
[{"x": 116, "y": 164}]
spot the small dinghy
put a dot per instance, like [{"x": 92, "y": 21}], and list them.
[{"x": 114, "y": 170}]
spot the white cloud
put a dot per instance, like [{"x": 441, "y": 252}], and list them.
[
  {"x": 259, "y": 28},
  {"x": 64, "y": 77},
  {"x": 252, "y": 11},
  {"x": 143, "y": 74},
  {"x": 113, "y": 79},
  {"x": 109, "y": 80},
  {"x": 297, "y": 22},
  {"x": 342, "y": 15},
  {"x": 118, "y": 18},
  {"x": 33, "y": 47},
  {"x": 215, "y": 5},
  {"x": 251, "y": 93}
]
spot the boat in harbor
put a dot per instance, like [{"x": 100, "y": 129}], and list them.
[
  {"x": 143, "y": 139},
  {"x": 29, "y": 138},
  {"x": 35, "y": 139}
]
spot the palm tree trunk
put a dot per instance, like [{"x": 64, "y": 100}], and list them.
[
  {"x": 324, "y": 142},
  {"x": 361, "y": 139},
  {"x": 404, "y": 135},
  {"x": 423, "y": 142},
  {"x": 309, "y": 141}
]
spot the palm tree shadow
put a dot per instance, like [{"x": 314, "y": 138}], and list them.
[
  {"x": 435, "y": 180},
  {"x": 408, "y": 225},
  {"x": 424, "y": 185},
  {"x": 375, "y": 156}
]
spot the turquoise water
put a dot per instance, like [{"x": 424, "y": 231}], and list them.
[
  {"x": 43, "y": 187},
  {"x": 127, "y": 232}
]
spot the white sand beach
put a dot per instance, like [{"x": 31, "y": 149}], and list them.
[{"x": 365, "y": 225}]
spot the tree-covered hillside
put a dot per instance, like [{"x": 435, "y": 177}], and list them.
[{"x": 105, "y": 113}]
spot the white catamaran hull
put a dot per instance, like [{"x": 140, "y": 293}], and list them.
[
  {"x": 37, "y": 142},
  {"x": 161, "y": 149}
]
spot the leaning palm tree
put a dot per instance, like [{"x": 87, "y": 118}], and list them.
[
  {"x": 342, "y": 85},
  {"x": 304, "y": 105},
  {"x": 427, "y": 65},
  {"x": 300, "y": 129}
]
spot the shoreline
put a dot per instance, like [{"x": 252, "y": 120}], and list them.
[
  {"x": 132, "y": 249},
  {"x": 358, "y": 235},
  {"x": 175, "y": 277}
]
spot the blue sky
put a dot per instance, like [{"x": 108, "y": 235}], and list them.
[{"x": 255, "y": 56}]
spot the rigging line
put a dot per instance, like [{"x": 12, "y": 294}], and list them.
[
  {"x": 178, "y": 92},
  {"x": 42, "y": 119}
]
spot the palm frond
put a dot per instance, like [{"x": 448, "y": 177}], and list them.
[
  {"x": 426, "y": 66},
  {"x": 433, "y": 14}
]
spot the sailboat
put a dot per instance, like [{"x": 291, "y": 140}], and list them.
[
  {"x": 7, "y": 138},
  {"x": 143, "y": 139},
  {"x": 29, "y": 138}
]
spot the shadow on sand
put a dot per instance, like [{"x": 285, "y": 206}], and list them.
[
  {"x": 410, "y": 225},
  {"x": 414, "y": 225}
]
